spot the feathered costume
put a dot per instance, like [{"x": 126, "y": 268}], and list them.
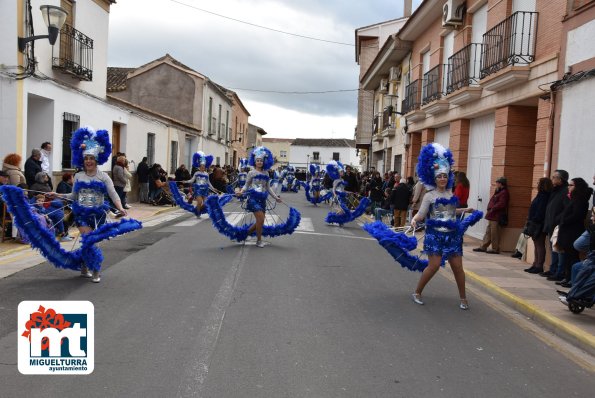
[
  {"x": 345, "y": 215},
  {"x": 257, "y": 194},
  {"x": 315, "y": 186},
  {"x": 200, "y": 186},
  {"x": 290, "y": 184},
  {"x": 444, "y": 232},
  {"x": 89, "y": 209}
]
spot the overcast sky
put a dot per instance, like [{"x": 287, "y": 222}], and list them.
[{"x": 238, "y": 55}]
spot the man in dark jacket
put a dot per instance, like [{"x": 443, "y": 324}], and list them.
[
  {"x": 497, "y": 216},
  {"x": 32, "y": 167},
  {"x": 555, "y": 205},
  {"x": 142, "y": 172},
  {"x": 352, "y": 185},
  {"x": 400, "y": 198}
]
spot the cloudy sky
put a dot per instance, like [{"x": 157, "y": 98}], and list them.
[{"x": 241, "y": 56}]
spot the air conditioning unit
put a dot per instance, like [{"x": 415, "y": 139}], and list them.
[
  {"x": 452, "y": 13},
  {"x": 383, "y": 86},
  {"x": 394, "y": 73}
]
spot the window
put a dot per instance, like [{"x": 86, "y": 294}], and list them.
[
  {"x": 336, "y": 156},
  {"x": 316, "y": 156},
  {"x": 218, "y": 161},
  {"x": 188, "y": 152},
  {"x": 210, "y": 130},
  {"x": 398, "y": 163},
  {"x": 212, "y": 126},
  {"x": 70, "y": 123},
  {"x": 219, "y": 125},
  {"x": 151, "y": 148},
  {"x": 283, "y": 154},
  {"x": 224, "y": 129},
  {"x": 226, "y": 124},
  {"x": 174, "y": 157}
]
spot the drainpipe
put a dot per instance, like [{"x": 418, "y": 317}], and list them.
[{"x": 549, "y": 137}]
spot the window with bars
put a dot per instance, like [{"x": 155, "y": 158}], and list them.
[
  {"x": 174, "y": 157},
  {"x": 336, "y": 156},
  {"x": 150, "y": 148},
  {"x": 316, "y": 156}
]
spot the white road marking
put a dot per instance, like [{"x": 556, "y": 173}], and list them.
[
  {"x": 192, "y": 221},
  {"x": 305, "y": 225},
  {"x": 335, "y": 235},
  {"x": 207, "y": 338},
  {"x": 164, "y": 218}
]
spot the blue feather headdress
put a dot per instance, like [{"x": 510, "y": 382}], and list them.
[
  {"x": 243, "y": 163},
  {"x": 314, "y": 169},
  {"x": 86, "y": 141},
  {"x": 200, "y": 158},
  {"x": 434, "y": 159},
  {"x": 333, "y": 168},
  {"x": 290, "y": 169},
  {"x": 262, "y": 152}
]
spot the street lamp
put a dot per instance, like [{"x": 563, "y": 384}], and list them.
[{"x": 54, "y": 17}]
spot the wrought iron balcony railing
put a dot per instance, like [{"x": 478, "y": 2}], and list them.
[
  {"x": 432, "y": 85},
  {"x": 411, "y": 101},
  {"x": 76, "y": 54},
  {"x": 511, "y": 42},
  {"x": 464, "y": 67}
]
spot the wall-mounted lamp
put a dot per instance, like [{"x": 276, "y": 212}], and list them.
[{"x": 54, "y": 17}]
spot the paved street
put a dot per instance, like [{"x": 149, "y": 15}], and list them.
[{"x": 182, "y": 311}]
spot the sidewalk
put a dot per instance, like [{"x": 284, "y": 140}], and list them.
[
  {"x": 532, "y": 295},
  {"x": 139, "y": 211}
]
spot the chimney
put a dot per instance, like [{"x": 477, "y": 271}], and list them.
[{"x": 407, "y": 8}]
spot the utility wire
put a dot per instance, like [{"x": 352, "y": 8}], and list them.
[
  {"x": 262, "y": 27},
  {"x": 292, "y": 92}
]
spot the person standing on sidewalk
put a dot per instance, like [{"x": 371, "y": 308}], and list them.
[
  {"x": 496, "y": 215},
  {"x": 46, "y": 152},
  {"x": 400, "y": 197},
  {"x": 534, "y": 225},
  {"x": 142, "y": 173},
  {"x": 553, "y": 211}
]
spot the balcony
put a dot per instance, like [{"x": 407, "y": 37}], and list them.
[
  {"x": 508, "y": 49},
  {"x": 463, "y": 74},
  {"x": 410, "y": 105},
  {"x": 388, "y": 124},
  {"x": 432, "y": 92},
  {"x": 76, "y": 54}
]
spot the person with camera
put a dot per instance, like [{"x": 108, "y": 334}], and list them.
[{"x": 497, "y": 216}]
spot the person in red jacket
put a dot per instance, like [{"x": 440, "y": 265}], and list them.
[
  {"x": 497, "y": 216},
  {"x": 461, "y": 188}
]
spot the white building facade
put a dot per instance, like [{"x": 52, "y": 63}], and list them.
[{"x": 304, "y": 151}]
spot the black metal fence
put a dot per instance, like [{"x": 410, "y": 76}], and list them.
[
  {"x": 76, "y": 54},
  {"x": 411, "y": 101},
  {"x": 464, "y": 67},
  {"x": 432, "y": 84},
  {"x": 511, "y": 42}
]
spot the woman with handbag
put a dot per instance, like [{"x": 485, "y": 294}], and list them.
[{"x": 534, "y": 226}]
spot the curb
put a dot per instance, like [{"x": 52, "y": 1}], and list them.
[{"x": 559, "y": 327}]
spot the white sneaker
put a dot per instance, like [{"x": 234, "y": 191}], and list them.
[
  {"x": 127, "y": 206},
  {"x": 260, "y": 244},
  {"x": 563, "y": 300},
  {"x": 85, "y": 273},
  {"x": 96, "y": 278},
  {"x": 417, "y": 299}
]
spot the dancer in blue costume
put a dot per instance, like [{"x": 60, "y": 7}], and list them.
[
  {"x": 314, "y": 186},
  {"x": 343, "y": 214},
  {"x": 89, "y": 149},
  {"x": 201, "y": 186},
  {"x": 290, "y": 184},
  {"x": 200, "y": 180},
  {"x": 257, "y": 189},
  {"x": 243, "y": 174},
  {"x": 444, "y": 232}
]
